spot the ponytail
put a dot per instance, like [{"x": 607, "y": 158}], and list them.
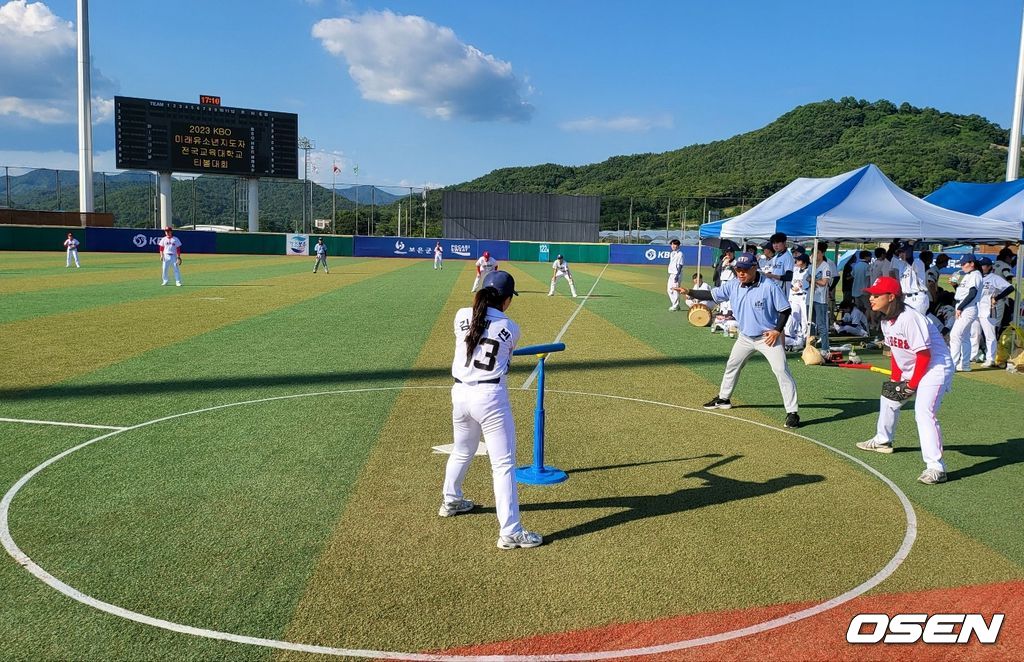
[{"x": 487, "y": 297}]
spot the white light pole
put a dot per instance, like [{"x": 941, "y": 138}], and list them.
[
  {"x": 85, "y": 197},
  {"x": 1013, "y": 156},
  {"x": 305, "y": 144}
]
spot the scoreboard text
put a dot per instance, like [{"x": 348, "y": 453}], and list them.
[{"x": 169, "y": 136}]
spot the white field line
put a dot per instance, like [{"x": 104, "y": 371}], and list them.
[
  {"x": 70, "y": 425},
  {"x": 6, "y": 539},
  {"x": 558, "y": 338}
]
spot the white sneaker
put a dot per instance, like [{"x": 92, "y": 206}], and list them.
[
  {"x": 456, "y": 508},
  {"x": 574, "y": 296},
  {"x": 988, "y": 364},
  {"x": 673, "y": 308},
  {"x": 551, "y": 294},
  {"x": 178, "y": 284},
  {"x": 932, "y": 477},
  {"x": 164, "y": 283},
  {"x": 524, "y": 539},
  {"x": 877, "y": 446}
]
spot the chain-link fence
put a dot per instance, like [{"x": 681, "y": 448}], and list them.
[{"x": 330, "y": 207}]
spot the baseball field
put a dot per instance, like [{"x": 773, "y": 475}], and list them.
[{"x": 242, "y": 468}]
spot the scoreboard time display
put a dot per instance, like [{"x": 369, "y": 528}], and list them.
[{"x": 171, "y": 136}]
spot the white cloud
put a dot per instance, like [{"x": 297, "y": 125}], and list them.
[
  {"x": 409, "y": 60},
  {"x": 622, "y": 123},
  {"x": 38, "y": 74}
]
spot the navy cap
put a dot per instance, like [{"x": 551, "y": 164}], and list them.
[
  {"x": 777, "y": 237},
  {"x": 968, "y": 258},
  {"x": 501, "y": 281},
  {"x": 745, "y": 261},
  {"x": 985, "y": 262}
]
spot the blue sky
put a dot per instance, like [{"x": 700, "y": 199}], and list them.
[{"x": 442, "y": 92}]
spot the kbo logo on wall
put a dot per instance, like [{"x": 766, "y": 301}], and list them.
[
  {"x": 652, "y": 254},
  {"x": 399, "y": 247},
  {"x": 139, "y": 240}
]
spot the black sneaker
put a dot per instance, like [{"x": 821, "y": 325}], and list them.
[
  {"x": 793, "y": 420},
  {"x": 718, "y": 403}
]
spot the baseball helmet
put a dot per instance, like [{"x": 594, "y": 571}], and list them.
[
  {"x": 487, "y": 253},
  {"x": 501, "y": 281}
]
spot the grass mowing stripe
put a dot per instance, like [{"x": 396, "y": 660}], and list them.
[
  {"x": 240, "y": 274},
  {"x": 289, "y": 467},
  {"x": 49, "y": 350},
  {"x": 629, "y": 482}
]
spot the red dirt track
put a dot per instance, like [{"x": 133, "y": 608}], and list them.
[{"x": 821, "y": 637}]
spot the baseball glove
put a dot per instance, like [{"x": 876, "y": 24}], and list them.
[
  {"x": 897, "y": 391},
  {"x": 178, "y": 261}
]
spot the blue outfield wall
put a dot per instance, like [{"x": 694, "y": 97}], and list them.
[
  {"x": 656, "y": 254},
  {"x": 122, "y": 240},
  {"x": 454, "y": 249}
]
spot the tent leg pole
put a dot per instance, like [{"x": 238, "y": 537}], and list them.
[{"x": 1017, "y": 297}]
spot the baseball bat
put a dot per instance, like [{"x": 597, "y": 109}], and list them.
[{"x": 882, "y": 371}]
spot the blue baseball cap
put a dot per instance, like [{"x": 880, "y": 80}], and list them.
[
  {"x": 985, "y": 262},
  {"x": 501, "y": 281},
  {"x": 745, "y": 261},
  {"x": 968, "y": 258}
]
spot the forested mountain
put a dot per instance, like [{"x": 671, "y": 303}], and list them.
[{"x": 918, "y": 148}]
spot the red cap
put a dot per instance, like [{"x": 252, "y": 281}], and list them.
[
  {"x": 884, "y": 285},
  {"x": 487, "y": 253}
]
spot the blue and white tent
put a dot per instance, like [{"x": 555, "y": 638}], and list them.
[
  {"x": 1001, "y": 200},
  {"x": 860, "y": 205}
]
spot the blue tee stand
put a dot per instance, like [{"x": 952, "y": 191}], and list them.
[{"x": 538, "y": 473}]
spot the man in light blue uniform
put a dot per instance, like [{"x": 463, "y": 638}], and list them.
[
  {"x": 321, "y": 255},
  {"x": 761, "y": 311}
]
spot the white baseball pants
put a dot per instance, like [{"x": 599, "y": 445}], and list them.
[
  {"x": 795, "y": 326},
  {"x": 937, "y": 381},
  {"x": 485, "y": 408},
  {"x": 572, "y": 285},
  {"x": 173, "y": 262},
  {"x": 437, "y": 261},
  {"x": 919, "y": 301},
  {"x": 73, "y": 255},
  {"x": 673, "y": 296},
  {"x": 476, "y": 282},
  {"x": 988, "y": 329},
  {"x": 776, "y": 355},
  {"x": 960, "y": 338}
]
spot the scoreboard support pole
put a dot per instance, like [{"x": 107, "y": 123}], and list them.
[
  {"x": 254, "y": 205},
  {"x": 165, "y": 200}
]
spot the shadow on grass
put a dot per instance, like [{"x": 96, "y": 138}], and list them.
[
  {"x": 1001, "y": 455},
  {"x": 845, "y": 408},
  {"x": 318, "y": 380},
  {"x": 714, "y": 490}
]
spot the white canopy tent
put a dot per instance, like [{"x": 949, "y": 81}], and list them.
[{"x": 860, "y": 205}]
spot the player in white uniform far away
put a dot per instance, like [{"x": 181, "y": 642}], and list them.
[
  {"x": 675, "y": 272},
  {"x": 921, "y": 359},
  {"x": 170, "y": 254},
  {"x": 561, "y": 270},
  {"x": 994, "y": 289},
  {"x": 484, "y": 340},
  {"x": 321, "y": 255},
  {"x": 438, "y": 256},
  {"x": 485, "y": 264},
  {"x": 967, "y": 296},
  {"x": 71, "y": 244},
  {"x": 913, "y": 277}
]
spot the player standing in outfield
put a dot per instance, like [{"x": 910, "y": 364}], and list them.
[
  {"x": 968, "y": 296},
  {"x": 485, "y": 264},
  {"x": 484, "y": 340},
  {"x": 170, "y": 255},
  {"x": 438, "y": 256},
  {"x": 72, "y": 245},
  {"x": 321, "y": 256},
  {"x": 675, "y": 272},
  {"x": 561, "y": 270},
  {"x": 761, "y": 311},
  {"x": 921, "y": 365}
]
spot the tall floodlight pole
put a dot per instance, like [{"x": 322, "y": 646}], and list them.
[
  {"x": 424, "y": 211},
  {"x": 85, "y": 197},
  {"x": 1013, "y": 156},
  {"x": 305, "y": 144}
]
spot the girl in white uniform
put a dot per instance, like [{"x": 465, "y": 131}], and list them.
[
  {"x": 561, "y": 270},
  {"x": 675, "y": 273},
  {"x": 438, "y": 256},
  {"x": 799, "y": 287},
  {"x": 484, "y": 340},
  {"x": 994, "y": 289},
  {"x": 913, "y": 279},
  {"x": 968, "y": 295},
  {"x": 72, "y": 245},
  {"x": 919, "y": 357}
]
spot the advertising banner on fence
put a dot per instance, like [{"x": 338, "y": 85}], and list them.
[
  {"x": 655, "y": 254},
  {"x": 296, "y": 244},
  {"x": 454, "y": 249},
  {"x": 128, "y": 240}
]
